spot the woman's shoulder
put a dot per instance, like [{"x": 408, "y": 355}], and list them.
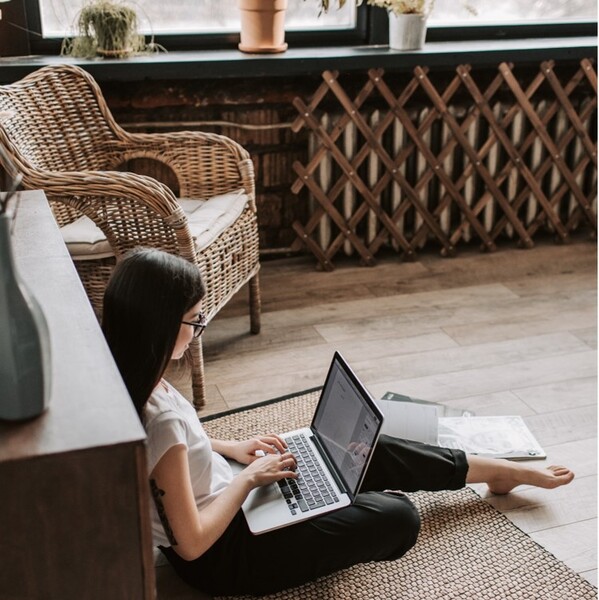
[{"x": 166, "y": 403}]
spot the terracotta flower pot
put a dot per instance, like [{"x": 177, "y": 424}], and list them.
[{"x": 263, "y": 25}]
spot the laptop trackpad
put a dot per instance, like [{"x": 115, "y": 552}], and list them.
[
  {"x": 262, "y": 495},
  {"x": 258, "y": 495}
]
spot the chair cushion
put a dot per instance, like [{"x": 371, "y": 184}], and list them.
[
  {"x": 85, "y": 240},
  {"x": 207, "y": 220}
]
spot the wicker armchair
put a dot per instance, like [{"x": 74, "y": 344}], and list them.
[{"x": 63, "y": 138}]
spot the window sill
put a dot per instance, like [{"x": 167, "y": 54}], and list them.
[{"x": 219, "y": 64}]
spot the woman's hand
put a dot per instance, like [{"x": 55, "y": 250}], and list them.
[
  {"x": 191, "y": 531},
  {"x": 270, "y": 468},
  {"x": 248, "y": 451}
]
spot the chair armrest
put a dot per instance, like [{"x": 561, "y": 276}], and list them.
[
  {"x": 206, "y": 164},
  {"x": 106, "y": 183},
  {"x": 131, "y": 209}
]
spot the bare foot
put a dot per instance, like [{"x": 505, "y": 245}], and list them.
[{"x": 549, "y": 478}]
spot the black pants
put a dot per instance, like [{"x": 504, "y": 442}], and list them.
[{"x": 379, "y": 525}]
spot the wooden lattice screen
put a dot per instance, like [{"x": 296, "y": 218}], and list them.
[{"x": 408, "y": 221}]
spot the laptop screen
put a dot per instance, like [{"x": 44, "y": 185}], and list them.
[{"x": 347, "y": 423}]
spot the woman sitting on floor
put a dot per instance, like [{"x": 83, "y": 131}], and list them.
[{"x": 152, "y": 310}]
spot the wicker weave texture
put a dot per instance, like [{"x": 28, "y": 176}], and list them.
[
  {"x": 466, "y": 548},
  {"x": 61, "y": 136}
]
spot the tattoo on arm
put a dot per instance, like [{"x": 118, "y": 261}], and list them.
[{"x": 157, "y": 494}]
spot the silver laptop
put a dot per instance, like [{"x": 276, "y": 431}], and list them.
[{"x": 332, "y": 455}]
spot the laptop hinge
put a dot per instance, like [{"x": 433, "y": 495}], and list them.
[{"x": 323, "y": 453}]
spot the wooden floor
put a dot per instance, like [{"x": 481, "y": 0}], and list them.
[{"x": 514, "y": 332}]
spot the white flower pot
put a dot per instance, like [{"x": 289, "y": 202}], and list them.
[{"x": 406, "y": 32}]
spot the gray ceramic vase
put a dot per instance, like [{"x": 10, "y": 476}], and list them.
[{"x": 24, "y": 341}]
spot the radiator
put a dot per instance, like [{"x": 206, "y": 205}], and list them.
[{"x": 436, "y": 138}]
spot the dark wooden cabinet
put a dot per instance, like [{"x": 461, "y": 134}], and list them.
[{"x": 74, "y": 502}]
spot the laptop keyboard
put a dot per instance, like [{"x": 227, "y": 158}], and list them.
[{"x": 311, "y": 490}]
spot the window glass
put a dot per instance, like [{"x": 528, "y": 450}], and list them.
[
  {"x": 196, "y": 16},
  {"x": 448, "y": 12}
]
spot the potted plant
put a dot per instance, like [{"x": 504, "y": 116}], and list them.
[
  {"x": 106, "y": 29},
  {"x": 262, "y": 26},
  {"x": 407, "y": 20},
  {"x": 397, "y": 6}
]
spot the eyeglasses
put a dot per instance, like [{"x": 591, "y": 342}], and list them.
[{"x": 198, "y": 326}]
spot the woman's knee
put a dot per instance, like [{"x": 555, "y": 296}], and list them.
[
  {"x": 405, "y": 514},
  {"x": 399, "y": 520}
]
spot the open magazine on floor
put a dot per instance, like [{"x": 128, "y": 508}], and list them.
[{"x": 437, "y": 424}]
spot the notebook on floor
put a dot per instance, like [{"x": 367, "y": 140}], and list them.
[{"x": 338, "y": 447}]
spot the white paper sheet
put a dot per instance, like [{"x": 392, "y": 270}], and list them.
[
  {"x": 499, "y": 437},
  {"x": 410, "y": 421}
]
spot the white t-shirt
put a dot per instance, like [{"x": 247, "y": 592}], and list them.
[{"x": 169, "y": 419}]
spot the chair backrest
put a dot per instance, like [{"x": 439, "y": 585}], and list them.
[{"x": 58, "y": 121}]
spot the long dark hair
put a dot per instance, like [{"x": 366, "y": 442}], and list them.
[{"x": 144, "y": 303}]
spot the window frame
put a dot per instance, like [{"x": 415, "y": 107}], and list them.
[
  {"x": 511, "y": 31},
  {"x": 214, "y": 41},
  {"x": 371, "y": 29}
]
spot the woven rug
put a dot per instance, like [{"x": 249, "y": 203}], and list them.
[{"x": 466, "y": 548}]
